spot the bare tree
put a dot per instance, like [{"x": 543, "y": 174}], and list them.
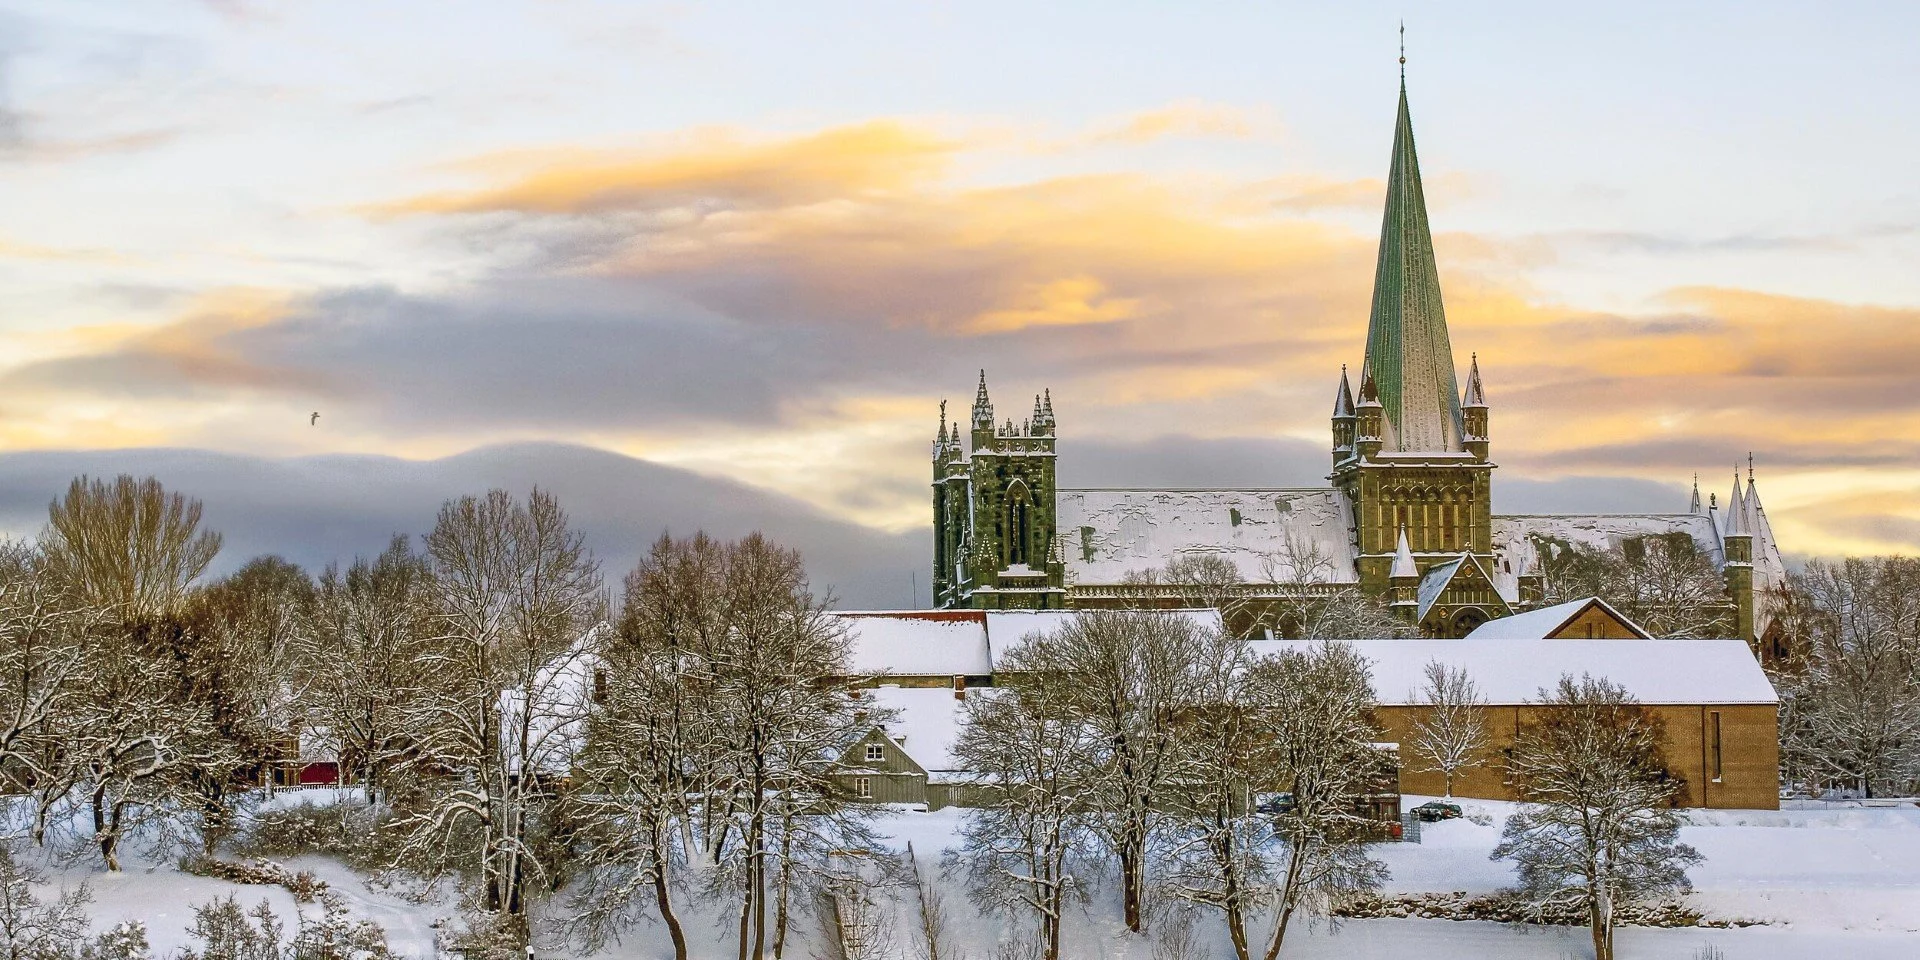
[
  {"x": 128, "y": 545},
  {"x": 31, "y": 927},
  {"x": 359, "y": 662},
  {"x": 1218, "y": 849},
  {"x": 648, "y": 763},
  {"x": 1319, "y": 702},
  {"x": 1597, "y": 830},
  {"x": 1664, "y": 582},
  {"x": 514, "y": 591},
  {"x": 1452, "y": 734},
  {"x": 1317, "y": 603},
  {"x": 43, "y": 632},
  {"x": 933, "y": 924},
  {"x": 710, "y": 751},
  {"x": 770, "y": 676},
  {"x": 1850, "y": 701},
  {"x": 1017, "y": 850},
  {"x": 1127, "y": 677}
]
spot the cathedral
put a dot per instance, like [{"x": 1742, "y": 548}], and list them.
[{"x": 1408, "y": 512}]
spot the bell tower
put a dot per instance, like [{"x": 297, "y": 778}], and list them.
[
  {"x": 994, "y": 511},
  {"x": 1412, "y": 454}
]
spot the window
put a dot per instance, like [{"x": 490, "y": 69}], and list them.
[
  {"x": 599, "y": 685},
  {"x": 876, "y": 752},
  {"x": 1714, "y": 745},
  {"x": 863, "y": 787}
]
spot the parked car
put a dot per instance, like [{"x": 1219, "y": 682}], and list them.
[
  {"x": 1271, "y": 803},
  {"x": 1434, "y": 811}
]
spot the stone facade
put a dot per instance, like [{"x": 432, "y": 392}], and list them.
[{"x": 1411, "y": 474}]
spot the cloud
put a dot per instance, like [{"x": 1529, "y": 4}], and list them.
[
  {"x": 1184, "y": 119},
  {"x": 787, "y": 310},
  {"x": 714, "y": 168}
]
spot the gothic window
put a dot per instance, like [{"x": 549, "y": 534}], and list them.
[{"x": 1019, "y": 524}]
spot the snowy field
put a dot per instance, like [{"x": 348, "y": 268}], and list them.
[{"x": 1831, "y": 880}]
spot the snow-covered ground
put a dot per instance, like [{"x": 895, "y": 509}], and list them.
[{"x": 1839, "y": 880}]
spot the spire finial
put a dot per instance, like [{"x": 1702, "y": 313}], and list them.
[
  {"x": 1749, "y": 466},
  {"x": 1403, "y": 51}
]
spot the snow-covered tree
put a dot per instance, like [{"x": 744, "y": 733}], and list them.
[
  {"x": 43, "y": 631},
  {"x": 1128, "y": 678},
  {"x": 1663, "y": 582},
  {"x": 1273, "y": 821},
  {"x": 710, "y": 750},
  {"x": 359, "y": 664},
  {"x": 1217, "y": 853},
  {"x": 1596, "y": 830},
  {"x": 1452, "y": 735},
  {"x": 1317, "y": 604},
  {"x": 31, "y": 926},
  {"x": 513, "y": 592},
  {"x": 1318, "y": 704},
  {"x": 1850, "y": 698},
  {"x": 649, "y": 764},
  {"x": 1024, "y": 748},
  {"x": 770, "y": 676}
]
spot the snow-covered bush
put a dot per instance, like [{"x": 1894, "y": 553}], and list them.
[{"x": 226, "y": 931}]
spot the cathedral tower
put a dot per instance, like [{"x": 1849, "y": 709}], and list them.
[
  {"x": 994, "y": 511},
  {"x": 1412, "y": 455}
]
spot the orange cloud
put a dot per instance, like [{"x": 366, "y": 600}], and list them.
[
  {"x": 1188, "y": 118},
  {"x": 1178, "y": 304},
  {"x": 712, "y": 164}
]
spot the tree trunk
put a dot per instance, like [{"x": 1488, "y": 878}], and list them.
[
  {"x": 662, "y": 896},
  {"x": 786, "y": 879},
  {"x": 1289, "y": 895},
  {"x": 758, "y": 877},
  {"x": 1132, "y": 875},
  {"x": 104, "y": 832}
]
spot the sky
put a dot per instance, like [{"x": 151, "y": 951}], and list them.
[{"x": 759, "y": 243}]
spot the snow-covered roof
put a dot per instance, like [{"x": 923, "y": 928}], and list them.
[
  {"x": 942, "y": 643},
  {"x": 1542, "y": 623},
  {"x": 1513, "y": 545},
  {"x": 925, "y": 722},
  {"x": 1109, "y": 533},
  {"x": 955, "y": 643},
  {"x": 1660, "y": 672},
  {"x": 1008, "y": 630}
]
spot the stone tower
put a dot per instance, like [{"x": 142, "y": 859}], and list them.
[
  {"x": 1412, "y": 454},
  {"x": 994, "y": 511}
]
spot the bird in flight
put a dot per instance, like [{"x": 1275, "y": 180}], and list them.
[{"x": 314, "y": 420}]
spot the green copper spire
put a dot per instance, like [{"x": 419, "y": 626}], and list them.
[{"x": 1407, "y": 347}]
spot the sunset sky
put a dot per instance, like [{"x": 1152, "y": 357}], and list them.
[{"x": 763, "y": 241}]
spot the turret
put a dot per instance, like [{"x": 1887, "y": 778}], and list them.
[
  {"x": 982, "y": 416},
  {"x": 1403, "y": 581},
  {"x": 1473, "y": 414},
  {"x": 1737, "y": 540},
  {"x": 1344, "y": 420},
  {"x": 1370, "y": 417}
]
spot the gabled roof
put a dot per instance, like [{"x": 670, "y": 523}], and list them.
[
  {"x": 1434, "y": 585},
  {"x": 1545, "y": 622},
  {"x": 924, "y": 723}
]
